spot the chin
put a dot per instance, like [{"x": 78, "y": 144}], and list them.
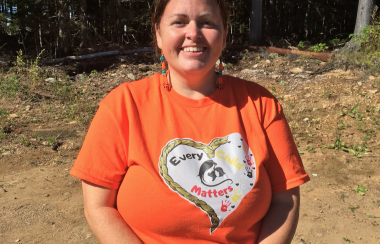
[
  {"x": 197, "y": 67},
  {"x": 195, "y": 70}
]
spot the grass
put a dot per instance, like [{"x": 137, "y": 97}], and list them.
[
  {"x": 354, "y": 150},
  {"x": 23, "y": 140},
  {"x": 346, "y": 240},
  {"x": 9, "y": 86},
  {"x": 51, "y": 140},
  {"x": 2, "y": 135},
  {"x": 326, "y": 94},
  {"x": 353, "y": 208},
  {"x": 310, "y": 149},
  {"x": 3, "y": 112}
]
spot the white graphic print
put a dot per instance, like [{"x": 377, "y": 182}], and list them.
[{"x": 215, "y": 177}]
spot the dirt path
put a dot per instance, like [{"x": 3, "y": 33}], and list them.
[{"x": 41, "y": 203}]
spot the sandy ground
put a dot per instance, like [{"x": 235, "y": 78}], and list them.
[{"x": 41, "y": 203}]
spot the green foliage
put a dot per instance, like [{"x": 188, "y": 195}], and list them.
[
  {"x": 320, "y": 47},
  {"x": 360, "y": 190},
  {"x": 326, "y": 94},
  {"x": 94, "y": 73},
  {"x": 39, "y": 138},
  {"x": 3, "y": 112},
  {"x": 245, "y": 55},
  {"x": 346, "y": 240},
  {"x": 23, "y": 140},
  {"x": 353, "y": 150},
  {"x": 2, "y": 134},
  {"x": 63, "y": 90},
  {"x": 367, "y": 37},
  {"x": 72, "y": 111},
  {"x": 353, "y": 113},
  {"x": 353, "y": 208},
  {"x": 9, "y": 86},
  {"x": 34, "y": 70},
  {"x": 336, "y": 41},
  {"x": 310, "y": 149},
  {"x": 20, "y": 63},
  {"x": 301, "y": 44},
  {"x": 369, "y": 41},
  {"x": 10, "y": 26},
  {"x": 51, "y": 140},
  {"x": 273, "y": 91}
]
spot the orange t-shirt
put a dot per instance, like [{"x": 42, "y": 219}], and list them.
[{"x": 191, "y": 171}]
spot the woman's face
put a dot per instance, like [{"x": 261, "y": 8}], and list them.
[{"x": 191, "y": 35}]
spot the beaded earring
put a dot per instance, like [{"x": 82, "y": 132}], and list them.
[
  {"x": 219, "y": 81},
  {"x": 165, "y": 73}
]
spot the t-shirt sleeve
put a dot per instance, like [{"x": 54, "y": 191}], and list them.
[
  {"x": 102, "y": 159},
  {"x": 284, "y": 165}
]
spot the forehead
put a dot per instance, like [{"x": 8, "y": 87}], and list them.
[{"x": 191, "y": 7}]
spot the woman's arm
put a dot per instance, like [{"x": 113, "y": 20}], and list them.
[
  {"x": 102, "y": 216},
  {"x": 280, "y": 223}
]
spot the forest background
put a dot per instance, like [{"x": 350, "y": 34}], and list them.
[{"x": 67, "y": 27}]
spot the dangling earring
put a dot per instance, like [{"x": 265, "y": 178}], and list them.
[
  {"x": 165, "y": 72},
  {"x": 219, "y": 81}
]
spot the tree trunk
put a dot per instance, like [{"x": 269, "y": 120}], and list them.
[
  {"x": 363, "y": 19},
  {"x": 272, "y": 19},
  {"x": 83, "y": 23},
  {"x": 256, "y": 31},
  {"x": 63, "y": 32}
]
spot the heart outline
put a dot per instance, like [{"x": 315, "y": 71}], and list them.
[{"x": 209, "y": 149}]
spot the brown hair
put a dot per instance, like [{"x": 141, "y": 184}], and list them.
[{"x": 160, "y": 9}]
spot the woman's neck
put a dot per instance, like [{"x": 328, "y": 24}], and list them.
[{"x": 195, "y": 86}]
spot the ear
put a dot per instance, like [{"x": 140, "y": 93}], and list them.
[
  {"x": 225, "y": 37},
  {"x": 158, "y": 36}
]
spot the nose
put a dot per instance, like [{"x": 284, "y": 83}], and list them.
[{"x": 193, "y": 31}]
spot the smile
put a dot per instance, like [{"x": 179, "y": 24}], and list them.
[{"x": 194, "y": 49}]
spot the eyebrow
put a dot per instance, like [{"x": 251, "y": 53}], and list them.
[
  {"x": 185, "y": 15},
  {"x": 179, "y": 14}
]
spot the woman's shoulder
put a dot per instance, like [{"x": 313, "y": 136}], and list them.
[{"x": 251, "y": 88}]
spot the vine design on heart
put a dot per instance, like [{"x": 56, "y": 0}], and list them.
[{"x": 210, "y": 152}]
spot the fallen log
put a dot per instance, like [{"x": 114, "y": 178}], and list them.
[
  {"x": 321, "y": 56},
  {"x": 97, "y": 55}
]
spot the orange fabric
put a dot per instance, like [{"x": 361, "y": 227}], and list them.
[{"x": 191, "y": 171}]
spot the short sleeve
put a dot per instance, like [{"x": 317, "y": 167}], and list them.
[
  {"x": 102, "y": 159},
  {"x": 284, "y": 165}
]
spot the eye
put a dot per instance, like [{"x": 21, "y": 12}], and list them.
[
  {"x": 208, "y": 23},
  {"x": 178, "y": 23}
]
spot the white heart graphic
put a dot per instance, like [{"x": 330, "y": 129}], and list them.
[{"x": 214, "y": 177}]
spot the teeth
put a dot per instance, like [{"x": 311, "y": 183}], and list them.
[{"x": 193, "y": 49}]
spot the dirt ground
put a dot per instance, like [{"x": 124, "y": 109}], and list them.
[{"x": 332, "y": 107}]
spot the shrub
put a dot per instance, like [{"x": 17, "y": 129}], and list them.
[
  {"x": 320, "y": 47},
  {"x": 9, "y": 86}
]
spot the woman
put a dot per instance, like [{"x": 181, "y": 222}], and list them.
[{"x": 190, "y": 156}]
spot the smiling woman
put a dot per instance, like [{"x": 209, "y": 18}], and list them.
[
  {"x": 192, "y": 35},
  {"x": 190, "y": 155}
]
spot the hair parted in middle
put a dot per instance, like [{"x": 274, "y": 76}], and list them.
[{"x": 159, "y": 10}]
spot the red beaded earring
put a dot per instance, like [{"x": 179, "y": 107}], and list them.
[
  {"x": 165, "y": 73},
  {"x": 219, "y": 81}
]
